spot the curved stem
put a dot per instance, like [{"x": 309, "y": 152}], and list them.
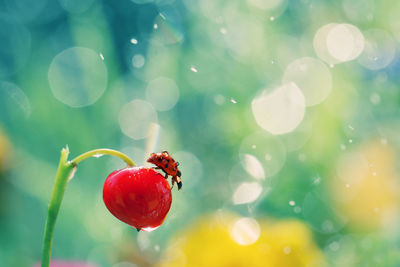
[
  {"x": 102, "y": 151},
  {"x": 64, "y": 172}
]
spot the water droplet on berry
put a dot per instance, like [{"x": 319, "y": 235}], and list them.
[{"x": 150, "y": 229}]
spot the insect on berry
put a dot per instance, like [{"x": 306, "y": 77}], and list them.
[
  {"x": 168, "y": 165},
  {"x": 138, "y": 196}
]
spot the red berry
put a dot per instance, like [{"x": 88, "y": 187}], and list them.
[{"x": 138, "y": 196}]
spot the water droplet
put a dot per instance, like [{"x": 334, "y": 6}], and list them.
[
  {"x": 162, "y": 16},
  {"x": 101, "y": 56},
  {"x": 233, "y": 101},
  {"x": 342, "y": 147},
  {"x": 347, "y": 185},
  {"x": 331, "y": 65},
  {"x": 272, "y": 18},
  {"x": 155, "y": 26},
  {"x": 253, "y": 146},
  {"x": 223, "y": 31},
  {"x": 150, "y": 229},
  {"x": 157, "y": 248},
  {"x": 351, "y": 128},
  {"x": 98, "y": 155},
  {"x": 268, "y": 157},
  {"x": 193, "y": 69},
  {"x": 71, "y": 175},
  {"x": 373, "y": 173},
  {"x": 134, "y": 41},
  {"x": 292, "y": 203},
  {"x": 383, "y": 141},
  {"x": 350, "y": 141}
]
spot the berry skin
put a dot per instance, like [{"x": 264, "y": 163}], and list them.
[{"x": 138, "y": 196}]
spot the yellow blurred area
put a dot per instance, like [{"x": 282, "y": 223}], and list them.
[
  {"x": 213, "y": 241},
  {"x": 367, "y": 190},
  {"x": 5, "y": 148}
]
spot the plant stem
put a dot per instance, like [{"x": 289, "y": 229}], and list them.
[
  {"x": 64, "y": 171},
  {"x": 100, "y": 152}
]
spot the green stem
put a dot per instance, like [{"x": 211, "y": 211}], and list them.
[
  {"x": 101, "y": 151},
  {"x": 64, "y": 172}
]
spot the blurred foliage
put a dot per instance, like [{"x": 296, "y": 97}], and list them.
[
  {"x": 268, "y": 119},
  {"x": 225, "y": 240}
]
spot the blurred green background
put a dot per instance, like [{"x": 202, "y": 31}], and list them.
[{"x": 283, "y": 114}]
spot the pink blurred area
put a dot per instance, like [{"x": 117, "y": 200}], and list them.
[{"x": 69, "y": 264}]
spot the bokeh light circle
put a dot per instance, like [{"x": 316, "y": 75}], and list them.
[
  {"x": 138, "y": 61},
  {"x": 163, "y": 93},
  {"x": 299, "y": 136},
  {"x": 262, "y": 155},
  {"x": 312, "y": 77},
  {"x": 393, "y": 20},
  {"x": 135, "y": 118},
  {"x": 379, "y": 50},
  {"x": 13, "y": 102},
  {"x": 345, "y": 42},
  {"x": 77, "y": 77},
  {"x": 190, "y": 166},
  {"x": 320, "y": 43},
  {"x": 247, "y": 193},
  {"x": 168, "y": 27},
  {"x": 359, "y": 10},
  {"x": 252, "y": 166},
  {"x": 272, "y": 8},
  {"x": 281, "y": 110},
  {"x": 245, "y": 231},
  {"x": 352, "y": 167}
]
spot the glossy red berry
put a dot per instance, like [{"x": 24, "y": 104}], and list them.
[{"x": 138, "y": 196}]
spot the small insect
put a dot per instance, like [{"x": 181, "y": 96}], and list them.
[{"x": 168, "y": 165}]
